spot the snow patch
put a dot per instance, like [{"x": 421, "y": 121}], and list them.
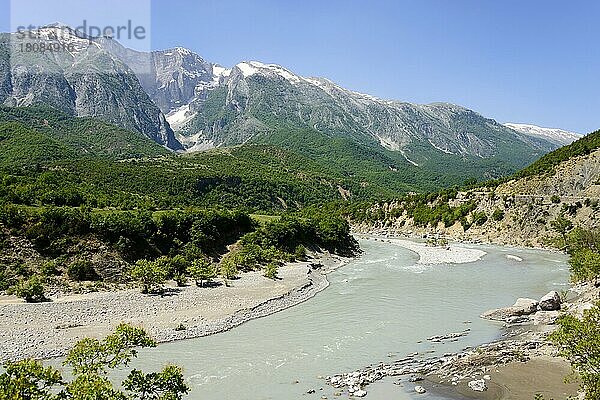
[
  {"x": 179, "y": 116},
  {"x": 219, "y": 71},
  {"x": 560, "y": 136},
  {"x": 196, "y": 142},
  {"x": 248, "y": 68}
]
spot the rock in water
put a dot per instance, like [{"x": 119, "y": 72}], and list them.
[
  {"x": 478, "y": 385},
  {"x": 420, "y": 389},
  {"x": 521, "y": 307},
  {"x": 528, "y": 306},
  {"x": 360, "y": 393},
  {"x": 550, "y": 302}
]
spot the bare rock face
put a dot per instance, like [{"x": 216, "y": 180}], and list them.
[
  {"x": 520, "y": 308},
  {"x": 90, "y": 81},
  {"x": 550, "y": 302}
]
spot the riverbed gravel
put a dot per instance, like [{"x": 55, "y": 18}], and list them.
[{"x": 48, "y": 330}]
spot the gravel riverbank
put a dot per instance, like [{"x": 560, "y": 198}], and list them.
[{"x": 48, "y": 330}]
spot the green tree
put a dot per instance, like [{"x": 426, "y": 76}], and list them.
[
  {"x": 579, "y": 341},
  {"x": 93, "y": 356},
  {"x": 29, "y": 380},
  {"x": 562, "y": 226},
  {"x": 228, "y": 268},
  {"x": 167, "y": 384},
  {"x": 202, "y": 270},
  {"x": 32, "y": 290},
  {"x": 585, "y": 265},
  {"x": 271, "y": 270},
  {"x": 151, "y": 275},
  {"x": 91, "y": 360},
  {"x": 175, "y": 267}
]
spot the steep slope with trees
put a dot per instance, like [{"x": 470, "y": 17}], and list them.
[{"x": 538, "y": 206}]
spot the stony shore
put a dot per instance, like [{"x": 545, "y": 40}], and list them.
[
  {"x": 48, "y": 330},
  {"x": 519, "y": 365}
]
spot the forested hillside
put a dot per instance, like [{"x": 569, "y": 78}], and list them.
[
  {"x": 537, "y": 206},
  {"x": 84, "y": 201}
]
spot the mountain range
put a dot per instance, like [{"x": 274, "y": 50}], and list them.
[
  {"x": 558, "y": 136},
  {"x": 185, "y": 103}
]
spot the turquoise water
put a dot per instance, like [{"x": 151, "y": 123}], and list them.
[{"x": 382, "y": 304}]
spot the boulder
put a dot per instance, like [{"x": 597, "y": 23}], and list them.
[
  {"x": 520, "y": 308},
  {"x": 550, "y": 302},
  {"x": 420, "y": 389},
  {"x": 528, "y": 306},
  {"x": 478, "y": 385},
  {"x": 359, "y": 393}
]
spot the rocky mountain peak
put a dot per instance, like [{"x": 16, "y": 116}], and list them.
[{"x": 559, "y": 136}]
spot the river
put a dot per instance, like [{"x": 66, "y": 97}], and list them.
[{"x": 381, "y": 305}]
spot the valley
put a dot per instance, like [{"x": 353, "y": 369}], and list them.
[{"x": 261, "y": 234}]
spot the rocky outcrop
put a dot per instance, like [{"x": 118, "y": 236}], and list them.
[
  {"x": 544, "y": 311},
  {"x": 88, "y": 81},
  {"x": 517, "y": 213}
]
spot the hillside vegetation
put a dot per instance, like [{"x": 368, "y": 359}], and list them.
[
  {"x": 85, "y": 203},
  {"x": 546, "y": 163},
  {"x": 42, "y": 129},
  {"x": 537, "y": 206}
]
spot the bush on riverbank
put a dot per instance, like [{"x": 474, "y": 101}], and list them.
[
  {"x": 287, "y": 239},
  {"x": 91, "y": 361},
  {"x": 105, "y": 245},
  {"x": 584, "y": 248},
  {"x": 83, "y": 244},
  {"x": 31, "y": 290},
  {"x": 579, "y": 341}
]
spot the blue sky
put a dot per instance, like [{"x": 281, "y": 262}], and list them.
[{"x": 534, "y": 61}]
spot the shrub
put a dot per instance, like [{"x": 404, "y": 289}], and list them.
[
  {"x": 32, "y": 290},
  {"x": 176, "y": 268},
  {"x": 50, "y": 268},
  {"x": 579, "y": 342},
  {"x": 228, "y": 267},
  {"x": 555, "y": 199},
  {"x": 479, "y": 218},
  {"x": 498, "y": 215},
  {"x": 271, "y": 270},
  {"x": 202, "y": 270},
  {"x": 585, "y": 265},
  {"x": 300, "y": 253},
  {"x": 151, "y": 275},
  {"x": 82, "y": 270}
]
